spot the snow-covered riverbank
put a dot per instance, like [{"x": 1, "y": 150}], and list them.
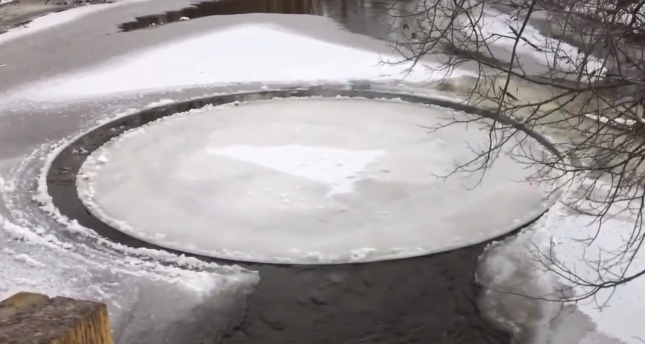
[{"x": 33, "y": 259}]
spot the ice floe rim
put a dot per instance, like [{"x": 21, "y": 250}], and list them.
[
  {"x": 66, "y": 162},
  {"x": 94, "y": 161}
]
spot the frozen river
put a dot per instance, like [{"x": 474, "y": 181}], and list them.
[
  {"x": 61, "y": 80},
  {"x": 191, "y": 300}
]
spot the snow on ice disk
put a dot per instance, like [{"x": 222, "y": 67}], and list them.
[{"x": 307, "y": 180}]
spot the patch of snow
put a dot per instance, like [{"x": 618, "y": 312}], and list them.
[
  {"x": 28, "y": 259},
  {"x": 248, "y": 53},
  {"x": 624, "y": 122},
  {"x": 334, "y": 167}
]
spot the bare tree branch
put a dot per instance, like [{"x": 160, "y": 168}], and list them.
[{"x": 586, "y": 81}]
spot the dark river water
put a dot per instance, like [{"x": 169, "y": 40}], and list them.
[{"x": 375, "y": 18}]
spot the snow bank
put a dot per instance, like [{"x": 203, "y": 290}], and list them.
[
  {"x": 248, "y": 53},
  {"x": 550, "y": 263},
  {"x": 516, "y": 281},
  {"x": 604, "y": 252},
  {"x": 147, "y": 304},
  {"x": 145, "y": 307},
  {"x": 55, "y": 19},
  {"x": 49, "y": 21},
  {"x": 605, "y": 10},
  {"x": 494, "y": 29}
]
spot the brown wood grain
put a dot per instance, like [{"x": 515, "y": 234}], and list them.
[{"x": 30, "y": 318}]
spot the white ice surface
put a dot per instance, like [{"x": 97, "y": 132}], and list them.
[
  {"x": 306, "y": 181},
  {"x": 247, "y": 53}
]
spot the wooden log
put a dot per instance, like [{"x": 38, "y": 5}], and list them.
[{"x": 30, "y": 318}]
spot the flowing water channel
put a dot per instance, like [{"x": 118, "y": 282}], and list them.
[{"x": 381, "y": 19}]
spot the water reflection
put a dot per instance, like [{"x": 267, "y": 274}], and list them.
[{"x": 376, "y": 18}]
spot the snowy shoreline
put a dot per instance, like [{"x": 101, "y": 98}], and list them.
[{"x": 140, "y": 71}]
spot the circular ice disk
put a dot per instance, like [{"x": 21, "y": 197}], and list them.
[{"x": 308, "y": 181}]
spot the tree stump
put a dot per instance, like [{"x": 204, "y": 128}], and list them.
[{"x": 29, "y": 318}]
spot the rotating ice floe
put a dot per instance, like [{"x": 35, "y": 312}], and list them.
[{"x": 321, "y": 175}]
